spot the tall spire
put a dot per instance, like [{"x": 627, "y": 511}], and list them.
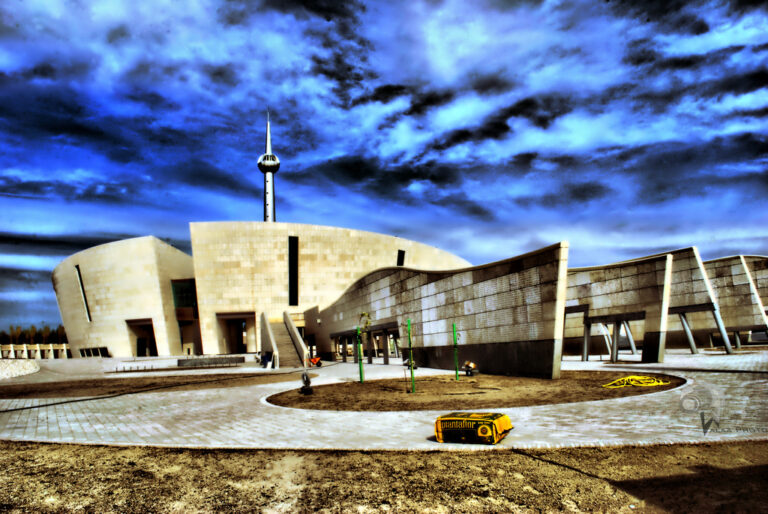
[{"x": 269, "y": 164}]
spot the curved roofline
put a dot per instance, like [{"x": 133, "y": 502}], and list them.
[
  {"x": 119, "y": 241},
  {"x": 631, "y": 261},
  {"x": 278, "y": 223},
  {"x": 561, "y": 244}
]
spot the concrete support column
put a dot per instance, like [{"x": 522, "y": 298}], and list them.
[
  {"x": 385, "y": 345},
  {"x": 370, "y": 346},
  {"x": 587, "y": 337},
  {"x": 251, "y": 345},
  {"x": 354, "y": 349},
  {"x": 688, "y": 333},
  {"x": 630, "y": 338},
  {"x": 615, "y": 343},
  {"x": 721, "y": 329}
]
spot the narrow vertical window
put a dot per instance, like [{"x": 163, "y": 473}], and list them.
[
  {"x": 293, "y": 270},
  {"x": 82, "y": 293},
  {"x": 400, "y": 257}
]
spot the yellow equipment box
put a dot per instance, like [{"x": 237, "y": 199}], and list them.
[{"x": 472, "y": 427}]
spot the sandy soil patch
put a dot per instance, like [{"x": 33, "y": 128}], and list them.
[
  {"x": 680, "y": 478},
  {"x": 478, "y": 392},
  {"x": 112, "y": 386}
]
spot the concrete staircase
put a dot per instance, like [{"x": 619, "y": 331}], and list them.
[{"x": 289, "y": 357}]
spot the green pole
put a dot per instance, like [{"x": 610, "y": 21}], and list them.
[
  {"x": 410, "y": 357},
  {"x": 455, "y": 352},
  {"x": 360, "y": 355}
]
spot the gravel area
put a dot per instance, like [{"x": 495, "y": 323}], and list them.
[{"x": 16, "y": 368}]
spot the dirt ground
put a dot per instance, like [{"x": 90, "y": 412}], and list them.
[
  {"x": 681, "y": 478},
  {"x": 477, "y": 392},
  {"x": 128, "y": 385}
]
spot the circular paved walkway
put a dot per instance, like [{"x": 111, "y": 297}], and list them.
[{"x": 725, "y": 399}]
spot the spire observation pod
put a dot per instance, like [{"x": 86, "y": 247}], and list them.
[{"x": 268, "y": 165}]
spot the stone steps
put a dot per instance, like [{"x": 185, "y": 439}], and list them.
[{"x": 289, "y": 357}]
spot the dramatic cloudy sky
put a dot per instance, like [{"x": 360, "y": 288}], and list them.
[{"x": 487, "y": 128}]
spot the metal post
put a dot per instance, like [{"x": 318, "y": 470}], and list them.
[
  {"x": 455, "y": 352},
  {"x": 410, "y": 357},
  {"x": 688, "y": 333},
  {"x": 587, "y": 338},
  {"x": 606, "y": 337},
  {"x": 737, "y": 339},
  {"x": 615, "y": 342},
  {"x": 370, "y": 346},
  {"x": 360, "y": 355},
  {"x": 721, "y": 329},
  {"x": 630, "y": 338}
]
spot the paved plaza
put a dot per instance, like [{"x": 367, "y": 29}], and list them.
[{"x": 725, "y": 399}]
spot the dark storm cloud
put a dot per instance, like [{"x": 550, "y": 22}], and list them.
[
  {"x": 344, "y": 56},
  {"x": 677, "y": 16},
  {"x": 523, "y": 161},
  {"x": 66, "y": 244},
  {"x": 669, "y": 170},
  {"x": 200, "y": 173},
  {"x": 751, "y": 113},
  {"x": 491, "y": 84},
  {"x": 659, "y": 101},
  {"x": 146, "y": 71},
  {"x": 462, "y": 203},
  {"x": 383, "y": 94},
  {"x": 118, "y": 34},
  {"x": 223, "y": 74},
  {"x": 368, "y": 175},
  {"x": 48, "y": 113},
  {"x": 642, "y": 52},
  {"x": 23, "y": 280},
  {"x": 568, "y": 195},
  {"x": 540, "y": 110},
  {"x": 423, "y": 101},
  {"x": 152, "y": 99},
  {"x": 738, "y": 84},
  {"x": 238, "y": 12},
  {"x": 103, "y": 191},
  {"x": 744, "y": 6}
]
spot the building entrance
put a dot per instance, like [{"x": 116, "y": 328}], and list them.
[
  {"x": 143, "y": 337},
  {"x": 238, "y": 332}
]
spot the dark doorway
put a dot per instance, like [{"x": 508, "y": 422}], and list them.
[
  {"x": 235, "y": 330},
  {"x": 142, "y": 330}
]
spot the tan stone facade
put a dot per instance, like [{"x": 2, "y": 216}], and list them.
[
  {"x": 650, "y": 299},
  {"x": 737, "y": 293},
  {"x": 126, "y": 286},
  {"x": 508, "y": 314},
  {"x": 242, "y": 269},
  {"x": 143, "y": 297}
]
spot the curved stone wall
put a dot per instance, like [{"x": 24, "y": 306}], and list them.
[{"x": 126, "y": 286}]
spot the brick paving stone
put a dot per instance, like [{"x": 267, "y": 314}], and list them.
[{"x": 725, "y": 398}]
